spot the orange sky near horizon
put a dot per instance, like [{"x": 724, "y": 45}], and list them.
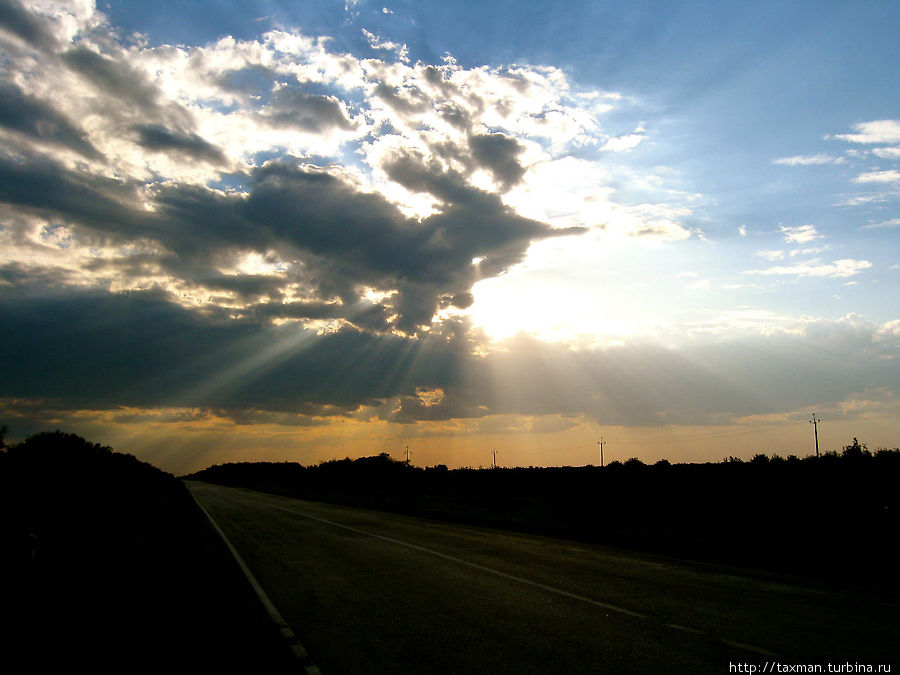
[{"x": 181, "y": 447}]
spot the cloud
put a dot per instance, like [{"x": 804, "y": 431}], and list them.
[
  {"x": 800, "y": 234},
  {"x": 164, "y": 122},
  {"x": 887, "y": 176},
  {"x": 887, "y": 153},
  {"x": 574, "y": 192},
  {"x": 39, "y": 121},
  {"x": 138, "y": 350},
  {"x": 105, "y": 204},
  {"x": 375, "y": 42},
  {"x": 876, "y": 131},
  {"x": 309, "y": 112},
  {"x": 815, "y": 268},
  {"x": 499, "y": 154},
  {"x": 127, "y": 86},
  {"x": 626, "y": 142},
  {"x": 187, "y": 357},
  {"x": 859, "y": 200},
  {"x": 159, "y": 138},
  {"x": 272, "y": 229},
  {"x": 808, "y": 160},
  {"x": 894, "y": 222},
  {"x": 17, "y": 20},
  {"x": 343, "y": 240},
  {"x": 771, "y": 256}
]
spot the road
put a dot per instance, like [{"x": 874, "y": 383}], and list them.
[{"x": 371, "y": 592}]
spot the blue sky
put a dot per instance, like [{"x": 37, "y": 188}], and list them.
[{"x": 672, "y": 225}]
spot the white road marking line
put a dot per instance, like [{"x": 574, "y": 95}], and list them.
[
  {"x": 744, "y": 645},
  {"x": 687, "y": 629},
  {"x": 522, "y": 580},
  {"x": 483, "y": 568},
  {"x": 287, "y": 633}
]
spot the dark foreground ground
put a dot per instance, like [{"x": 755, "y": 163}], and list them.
[{"x": 115, "y": 567}]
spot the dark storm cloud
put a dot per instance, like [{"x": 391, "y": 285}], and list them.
[
  {"x": 33, "y": 280},
  {"x": 473, "y": 223},
  {"x": 116, "y": 78},
  {"x": 127, "y": 91},
  {"x": 411, "y": 409},
  {"x": 345, "y": 238},
  {"x": 34, "y": 118},
  {"x": 89, "y": 349},
  {"x": 160, "y": 138},
  {"x": 361, "y": 238},
  {"x": 405, "y": 101},
  {"x": 499, "y": 154},
  {"x": 19, "y": 21},
  {"x": 309, "y": 112},
  {"x": 455, "y": 115},
  {"x": 44, "y": 186}
]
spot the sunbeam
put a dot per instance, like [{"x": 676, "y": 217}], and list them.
[{"x": 335, "y": 228}]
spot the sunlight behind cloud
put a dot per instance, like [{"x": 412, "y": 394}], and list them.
[
  {"x": 300, "y": 224},
  {"x": 561, "y": 293}
]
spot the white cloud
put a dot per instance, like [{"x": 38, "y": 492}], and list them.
[
  {"x": 742, "y": 230},
  {"x": 887, "y": 176},
  {"x": 807, "y": 160},
  {"x": 376, "y": 42},
  {"x": 894, "y": 222},
  {"x": 286, "y": 95},
  {"x": 859, "y": 200},
  {"x": 800, "y": 234},
  {"x": 570, "y": 192},
  {"x": 626, "y": 142},
  {"x": 771, "y": 256},
  {"x": 877, "y": 131},
  {"x": 815, "y": 268},
  {"x": 809, "y": 250},
  {"x": 887, "y": 153}
]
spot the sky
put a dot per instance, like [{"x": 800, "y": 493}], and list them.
[{"x": 307, "y": 230}]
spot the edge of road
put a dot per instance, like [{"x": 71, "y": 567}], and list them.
[{"x": 298, "y": 650}]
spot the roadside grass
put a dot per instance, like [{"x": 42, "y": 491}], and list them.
[{"x": 115, "y": 567}]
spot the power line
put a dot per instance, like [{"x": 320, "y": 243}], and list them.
[{"x": 815, "y": 422}]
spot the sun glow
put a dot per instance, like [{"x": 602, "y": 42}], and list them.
[{"x": 560, "y": 293}]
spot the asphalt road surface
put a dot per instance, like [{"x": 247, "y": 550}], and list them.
[{"x": 371, "y": 592}]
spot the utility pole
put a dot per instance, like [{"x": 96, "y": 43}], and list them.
[
  {"x": 600, "y": 443},
  {"x": 815, "y": 422},
  {"x": 407, "y": 455}
]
